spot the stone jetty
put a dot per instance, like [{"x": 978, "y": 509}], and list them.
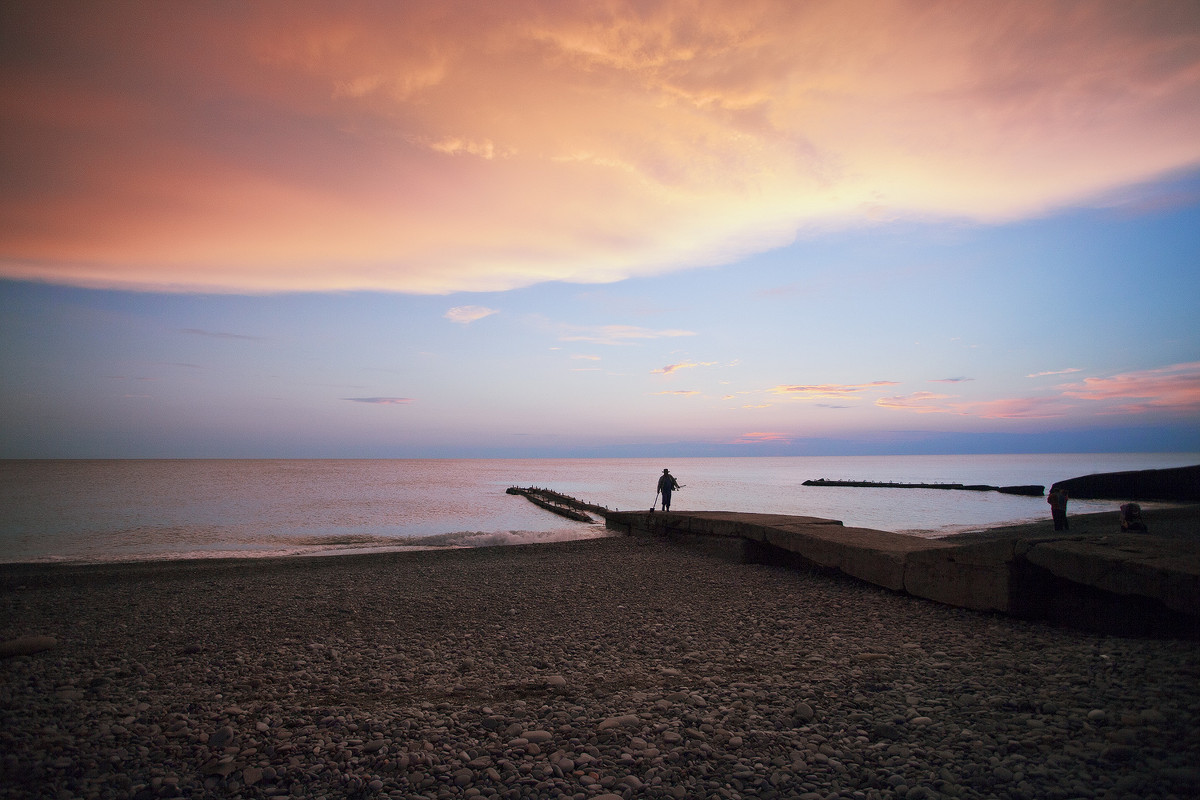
[
  {"x": 1032, "y": 490},
  {"x": 1131, "y": 584}
]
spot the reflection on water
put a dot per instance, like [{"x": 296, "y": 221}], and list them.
[{"x": 125, "y": 510}]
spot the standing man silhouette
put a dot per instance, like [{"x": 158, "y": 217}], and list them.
[
  {"x": 666, "y": 485},
  {"x": 1058, "y": 508}
]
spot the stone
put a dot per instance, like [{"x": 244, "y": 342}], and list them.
[
  {"x": 623, "y": 721},
  {"x": 220, "y": 738},
  {"x": 26, "y": 645}
]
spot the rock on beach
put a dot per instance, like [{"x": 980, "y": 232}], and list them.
[{"x": 594, "y": 670}]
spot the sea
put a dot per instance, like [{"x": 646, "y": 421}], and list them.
[{"x": 82, "y": 511}]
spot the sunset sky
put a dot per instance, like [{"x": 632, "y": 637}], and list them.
[{"x": 544, "y": 228}]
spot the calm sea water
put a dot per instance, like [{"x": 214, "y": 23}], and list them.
[{"x": 92, "y": 511}]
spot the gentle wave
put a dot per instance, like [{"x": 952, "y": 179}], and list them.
[{"x": 145, "y": 510}]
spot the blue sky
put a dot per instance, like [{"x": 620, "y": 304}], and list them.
[{"x": 355, "y": 251}]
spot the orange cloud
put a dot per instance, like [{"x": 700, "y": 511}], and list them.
[
  {"x": 762, "y": 436},
  {"x": 452, "y": 146},
  {"x": 683, "y": 392},
  {"x": 829, "y": 391}
]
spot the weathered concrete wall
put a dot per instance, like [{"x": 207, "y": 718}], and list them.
[
  {"x": 1147, "y": 584},
  {"x": 971, "y": 577},
  {"x": 1180, "y": 484}
]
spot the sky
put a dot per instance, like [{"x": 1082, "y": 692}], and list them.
[{"x": 530, "y": 228}]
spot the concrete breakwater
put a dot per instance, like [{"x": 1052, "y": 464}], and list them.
[
  {"x": 1116, "y": 583},
  {"x": 1178, "y": 484}
]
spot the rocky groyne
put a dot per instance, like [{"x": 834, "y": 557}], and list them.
[
  {"x": 558, "y": 503},
  {"x": 1030, "y": 489}
]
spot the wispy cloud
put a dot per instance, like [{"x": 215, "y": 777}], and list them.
[
  {"x": 617, "y": 334},
  {"x": 829, "y": 391},
  {"x": 1019, "y": 408},
  {"x": 1003, "y": 408},
  {"x": 683, "y": 392},
  {"x": 382, "y": 401},
  {"x": 220, "y": 334},
  {"x": 754, "y": 437},
  {"x": 669, "y": 368},
  {"x": 950, "y": 380},
  {"x": 1066, "y": 371},
  {"x": 464, "y": 315},
  {"x": 919, "y": 402}
]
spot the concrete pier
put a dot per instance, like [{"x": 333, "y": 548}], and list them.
[{"x": 1129, "y": 584}]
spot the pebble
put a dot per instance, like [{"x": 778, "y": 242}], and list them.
[
  {"x": 26, "y": 645},
  {"x": 627, "y": 669}
]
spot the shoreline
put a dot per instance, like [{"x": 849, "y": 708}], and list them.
[
  {"x": 612, "y": 667},
  {"x": 1178, "y": 520}
]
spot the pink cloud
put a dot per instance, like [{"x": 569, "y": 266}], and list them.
[
  {"x": 919, "y": 402},
  {"x": 1017, "y": 408},
  {"x": 457, "y": 146},
  {"x": 669, "y": 368},
  {"x": 1175, "y": 388},
  {"x": 829, "y": 391},
  {"x": 1004, "y": 408},
  {"x": 762, "y": 436}
]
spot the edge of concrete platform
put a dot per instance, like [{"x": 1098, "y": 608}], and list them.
[{"x": 1130, "y": 586}]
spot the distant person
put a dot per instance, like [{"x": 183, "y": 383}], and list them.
[
  {"x": 1131, "y": 518},
  {"x": 1058, "y": 508},
  {"x": 666, "y": 485}
]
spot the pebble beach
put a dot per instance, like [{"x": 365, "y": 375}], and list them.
[{"x": 607, "y": 668}]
